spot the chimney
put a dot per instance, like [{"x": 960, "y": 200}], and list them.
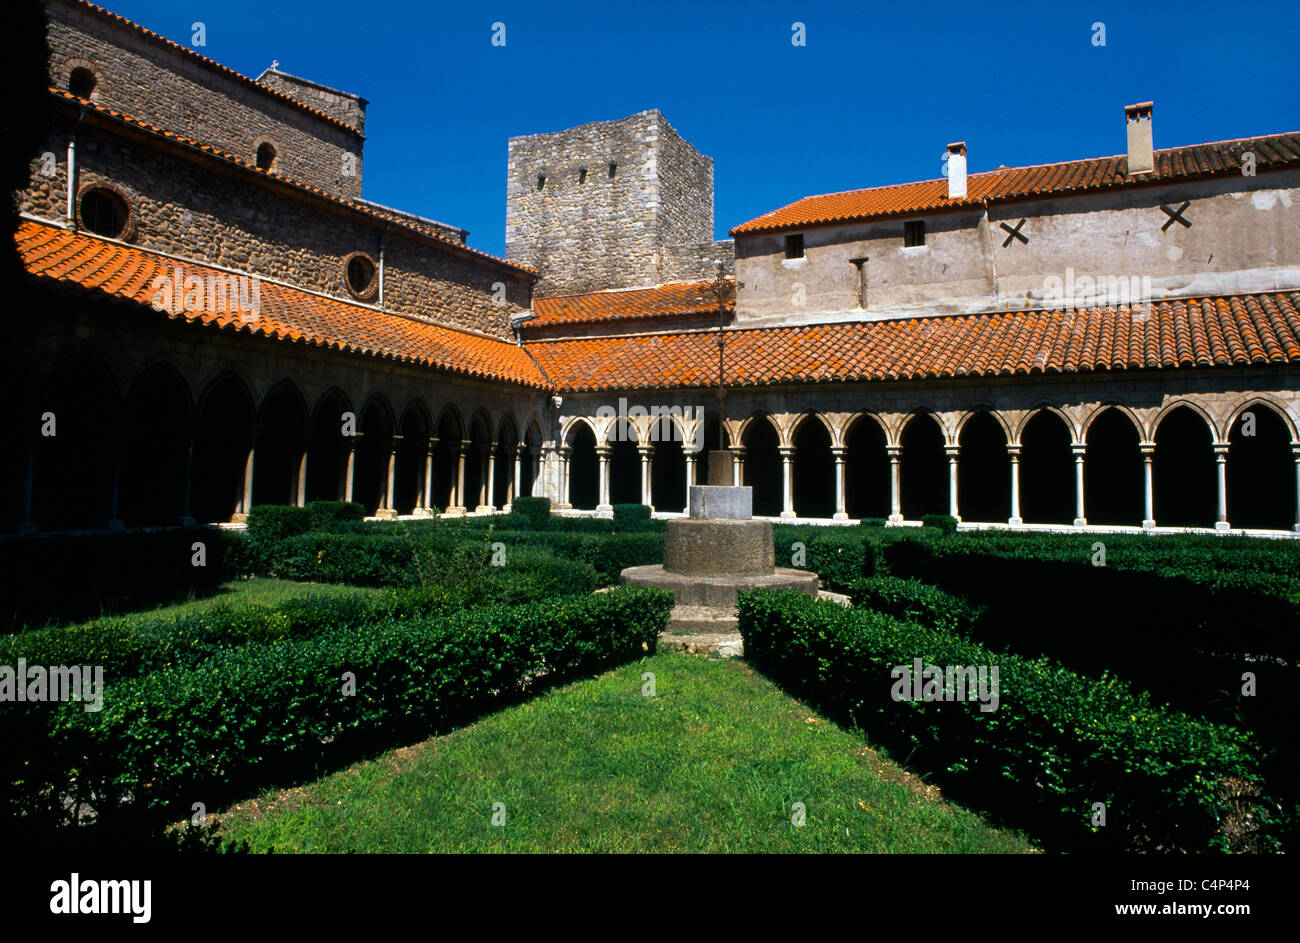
[
  {"x": 1141, "y": 159},
  {"x": 957, "y": 171}
]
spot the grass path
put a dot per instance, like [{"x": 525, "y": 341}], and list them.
[{"x": 714, "y": 762}]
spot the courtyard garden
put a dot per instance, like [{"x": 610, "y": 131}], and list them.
[{"x": 323, "y": 683}]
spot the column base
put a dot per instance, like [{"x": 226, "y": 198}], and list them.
[
  {"x": 1148, "y": 525},
  {"x": 422, "y": 512},
  {"x": 787, "y": 514},
  {"x": 563, "y": 506},
  {"x": 507, "y": 507},
  {"x": 1015, "y": 521},
  {"x": 387, "y": 514},
  {"x": 1080, "y": 522},
  {"x": 454, "y": 512},
  {"x": 1296, "y": 528},
  {"x": 485, "y": 509},
  {"x": 1222, "y": 526},
  {"x": 605, "y": 508},
  {"x": 894, "y": 519},
  {"x": 236, "y": 518},
  {"x": 839, "y": 516}
]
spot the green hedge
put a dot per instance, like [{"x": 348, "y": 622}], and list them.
[
  {"x": 839, "y": 555},
  {"x": 1057, "y": 743},
  {"x": 631, "y": 516},
  {"x": 326, "y": 514},
  {"x": 261, "y": 714},
  {"x": 535, "y": 512},
  {"x": 914, "y": 601},
  {"x": 60, "y": 578}
]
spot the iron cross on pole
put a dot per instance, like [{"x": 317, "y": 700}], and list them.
[{"x": 721, "y": 294}]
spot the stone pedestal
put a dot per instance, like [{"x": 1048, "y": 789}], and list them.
[{"x": 711, "y": 556}]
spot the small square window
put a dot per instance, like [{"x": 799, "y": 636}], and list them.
[
  {"x": 794, "y": 246},
  {"x": 612, "y": 169},
  {"x": 541, "y": 181},
  {"x": 582, "y": 175},
  {"x": 914, "y": 233}
]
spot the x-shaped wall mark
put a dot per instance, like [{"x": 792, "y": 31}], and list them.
[
  {"x": 1175, "y": 216},
  {"x": 1014, "y": 233}
]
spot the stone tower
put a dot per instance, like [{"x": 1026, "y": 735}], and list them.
[{"x": 611, "y": 204}]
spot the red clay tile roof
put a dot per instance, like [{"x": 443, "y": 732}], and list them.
[
  {"x": 286, "y": 313},
  {"x": 214, "y": 65},
  {"x": 355, "y": 205},
  {"x": 1234, "y": 330},
  {"x": 685, "y": 298},
  {"x": 1178, "y": 163}
]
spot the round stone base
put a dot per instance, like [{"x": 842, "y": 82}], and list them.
[
  {"x": 718, "y": 592},
  {"x": 718, "y": 547}
]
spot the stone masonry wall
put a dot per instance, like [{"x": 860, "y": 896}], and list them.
[
  {"x": 144, "y": 79},
  {"x": 595, "y": 231},
  {"x": 215, "y": 213},
  {"x": 348, "y": 108}
]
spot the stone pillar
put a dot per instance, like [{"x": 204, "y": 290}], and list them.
[
  {"x": 351, "y": 469},
  {"x": 186, "y": 518},
  {"x": 386, "y": 508},
  {"x": 26, "y": 525},
  {"x": 602, "y": 454},
  {"x": 895, "y": 483},
  {"x": 691, "y": 458},
  {"x": 787, "y": 480},
  {"x": 424, "y": 507},
  {"x": 114, "y": 522},
  {"x": 246, "y": 500},
  {"x": 458, "y": 505},
  {"x": 1221, "y": 461},
  {"x": 1013, "y": 452},
  {"x": 518, "y": 480},
  {"x": 301, "y": 498},
  {"x": 536, "y": 455},
  {"x": 841, "y": 486},
  {"x": 738, "y": 468},
  {"x": 647, "y": 455},
  {"x": 1148, "y": 450},
  {"x": 952, "y": 451},
  {"x": 1295, "y": 454},
  {"x": 1079, "y": 519},
  {"x": 487, "y": 466},
  {"x": 566, "y": 454}
]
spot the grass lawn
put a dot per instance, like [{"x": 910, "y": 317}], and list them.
[{"x": 714, "y": 762}]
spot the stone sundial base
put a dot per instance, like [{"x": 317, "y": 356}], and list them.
[{"x": 709, "y": 557}]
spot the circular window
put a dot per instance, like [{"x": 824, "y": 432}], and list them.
[
  {"x": 361, "y": 275},
  {"x": 105, "y": 212},
  {"x": 81, "y": 82},
  {"x": 266, "y": 156}
]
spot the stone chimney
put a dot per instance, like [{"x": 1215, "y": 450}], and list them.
[
  {"x": 957, "y": 171},
  {"x": 1141, "y": 157}
]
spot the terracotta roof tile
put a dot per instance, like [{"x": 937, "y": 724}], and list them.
[
  {"x": 284, "y": 312},
  {"x": 673, "y": 300},
  {"x": 1235, "y": 330},
  {"x": 1178, "y": 163}
]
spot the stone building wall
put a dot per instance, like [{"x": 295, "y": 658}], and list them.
[
  {"x": 1243, "y": 237},
  {"x": 202, "y": 209},
  {"x": 346, "y": 107},
  {"x": 697, "y": 261},
  {"x": 148, "y": 79},
  {"x": 593, "y": 231}
]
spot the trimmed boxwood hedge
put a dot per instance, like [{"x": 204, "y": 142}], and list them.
[
  {"x": 1057, "y": 743},
  {"x": 534, "y": 512},
  {"x": 270, "y": 712},
  {"x": 60, "y": 578},
  {"x": 914, "y": 601}
]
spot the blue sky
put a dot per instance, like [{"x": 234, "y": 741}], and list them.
[{"x": 871, "y": 99}]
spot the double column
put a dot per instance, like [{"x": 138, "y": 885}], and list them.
[
  {"x": 603, "y": 453},
  {"x": 647, "y": 473},
  {"x": 787, "y": 480}
]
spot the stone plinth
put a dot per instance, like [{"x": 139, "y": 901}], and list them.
[
  {"x": 721, "y": 467},
  {"x": 717, "y": 548},
  {"x": 718, "y": 592},
  {"x": 714, "y": 502}
]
